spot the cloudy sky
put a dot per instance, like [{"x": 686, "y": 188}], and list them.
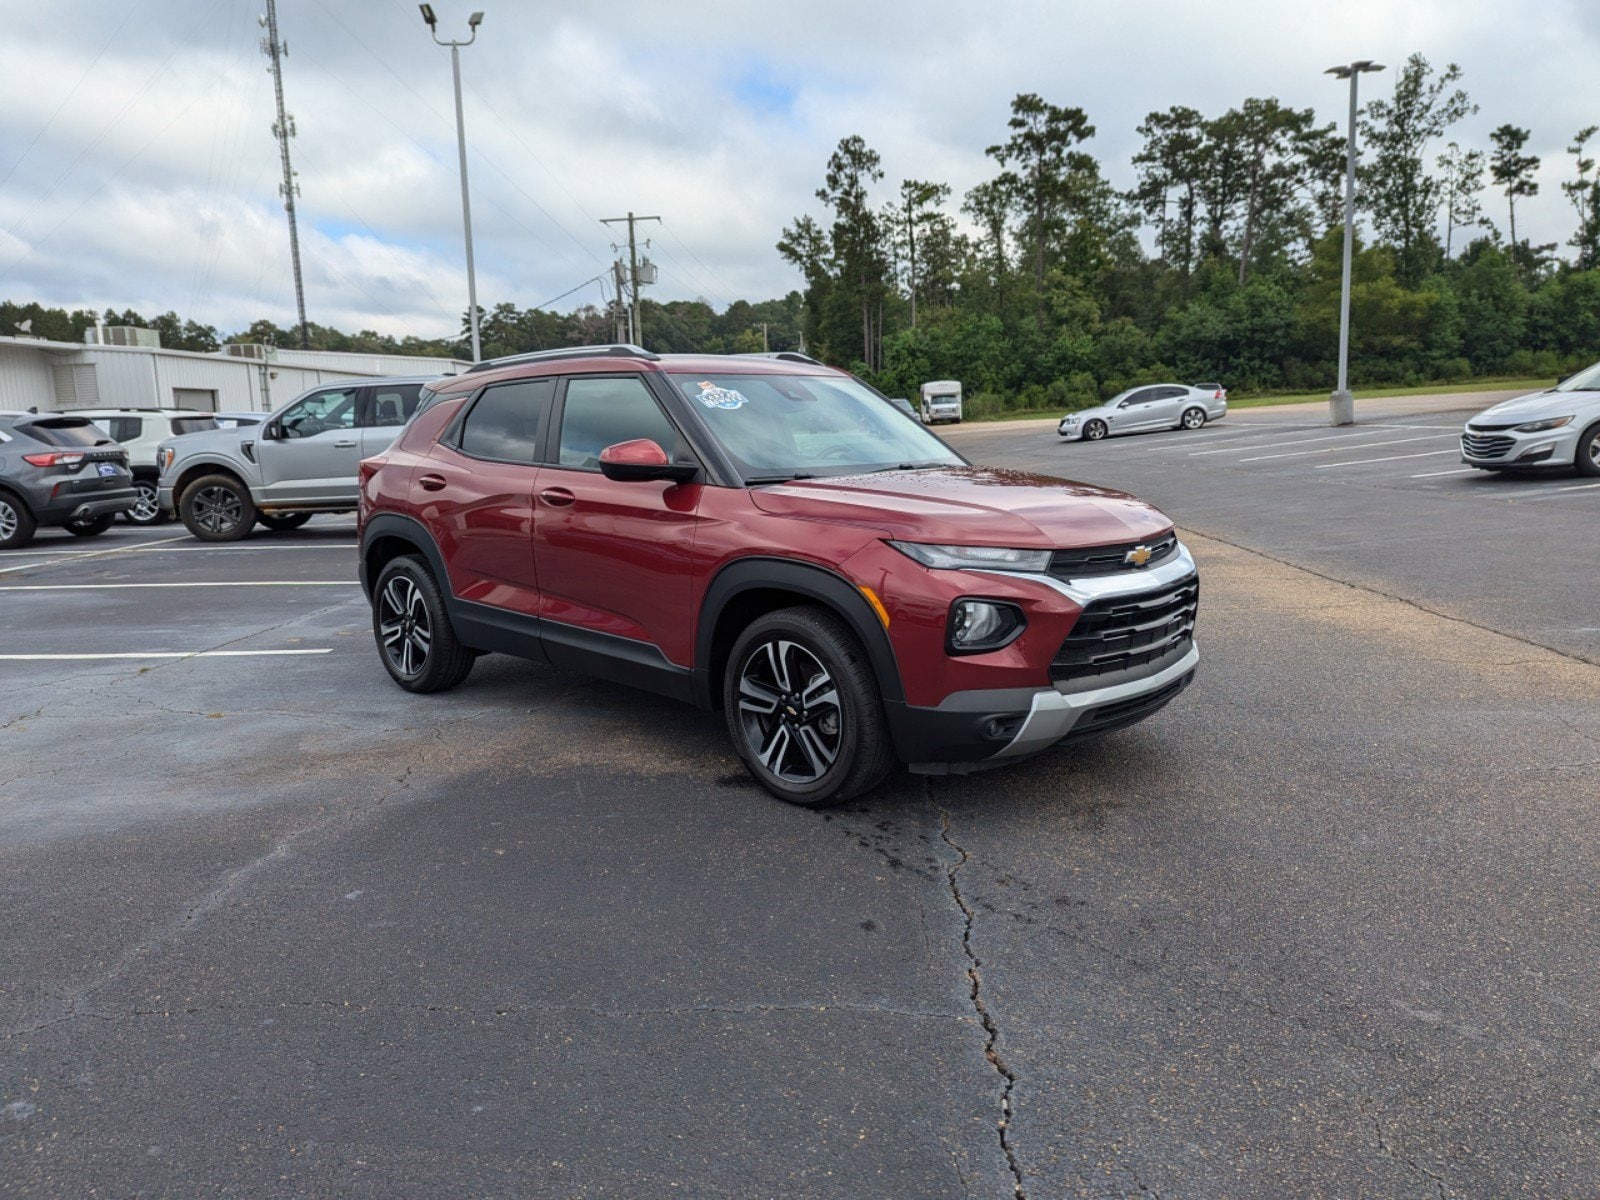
[{"x": 137, "y": 168}]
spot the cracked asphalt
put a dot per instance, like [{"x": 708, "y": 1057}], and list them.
[{"x": 1324, "y": 927}]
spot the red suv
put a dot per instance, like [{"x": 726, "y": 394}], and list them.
[{"x": 768, "y": 536}]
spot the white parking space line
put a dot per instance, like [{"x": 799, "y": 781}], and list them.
[
  {"x": 161, "y": 654},
  {"x": 1578, "y": 487},
  {"x": 243, "y": 549},
  {"x": 1326, "y": 437},
  {"x": 1386, "y": 458},
  {"x": 1451, "y": 471},
  {"x": 1426, "y": 437},
  {"x": 100, "y": 553},
  {"x": 225, "y": 583}
]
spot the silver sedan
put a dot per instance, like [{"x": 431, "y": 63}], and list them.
[{"x": 1153, "y": 406}]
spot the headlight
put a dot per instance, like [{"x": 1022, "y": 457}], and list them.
[
  {"x": 1541, "y": 426},
  {"x": 994, "y": 558},
  {"x": 167, "y": 454},
  {"x": 977, "y": 626}
]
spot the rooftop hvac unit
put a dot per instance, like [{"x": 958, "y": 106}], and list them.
[
  {"x": 251, "y": 350},
  {"x": 122, "y": 335}
]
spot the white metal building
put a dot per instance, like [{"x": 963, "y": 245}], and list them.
[{"x": 61, "y": 376}]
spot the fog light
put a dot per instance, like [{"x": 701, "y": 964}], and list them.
[
  {"x": 981, "y": 625},
  {"x": 1534, "y": 453}
]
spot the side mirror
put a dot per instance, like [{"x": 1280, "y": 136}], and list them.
[
  {"x": 269, "y": 431},
  {"x": 641, "y": 461}
]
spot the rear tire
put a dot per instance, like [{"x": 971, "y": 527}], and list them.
[
  {"x": 1588, "y": 457},
  {"x": 804, "y": 709},
  {"x": 282, "y": 522},
  {"x": 412, "y": 628},
  {"x": 17, "y": 525},
  {"x": 89, "y": 526},
  {"x": 1094, "y": 431},
  {"x": 1193, "y": 418},
  {"x": 217, "y": 508},
  {"x": 146, "y": 510}
]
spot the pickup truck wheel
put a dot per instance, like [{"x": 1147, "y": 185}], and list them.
[
  {"x": 146, "y": 509},
  {"x": 217, "y": 508},
  {"x": 804, "y": 708},
  {"x": 282, "y": 522},
  {"x": 16, "y": 522},
  {"x": 412, "y": 628},
  {"x": 88, "y": 526}
]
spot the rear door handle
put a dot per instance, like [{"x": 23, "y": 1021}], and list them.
[
  {"x": 559, "y": 497},
  {"x": 431, "y": 483}
]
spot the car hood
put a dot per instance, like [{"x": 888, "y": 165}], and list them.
[
  {"x": 974, "y": 506},
  {"x": 1083, "y": 414},
  {"x": 1538, "y": 406}
]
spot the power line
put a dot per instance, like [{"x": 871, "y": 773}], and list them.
[{"x": 728, "y": 293}]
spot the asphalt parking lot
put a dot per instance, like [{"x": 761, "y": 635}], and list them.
[{"x": 1324, "y": 927}]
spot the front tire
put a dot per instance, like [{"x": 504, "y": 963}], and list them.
[
  {"x": 282, "y": 522},
  {"x": 217, "y": 508},
  {"x": 1094, "y": 431},
  {"x": 89, "y": 526},
  {"x": 146, "y": 509},
  {"x": 1588, "y": 457},
  {"x": 1193, "y": 418},
  {"x": 17, "y": 525},
  {"x": 804, "y": 708},
  {"x": 412, "y": 627}
]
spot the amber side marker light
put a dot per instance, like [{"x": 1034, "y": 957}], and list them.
[{"x": 877, "y": 605}]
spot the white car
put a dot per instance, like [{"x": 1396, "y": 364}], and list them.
[
  {"x": 1559, "y": 426},
  {"x": 1154, "y": 406},
  {"x": 141, "y": 431}
]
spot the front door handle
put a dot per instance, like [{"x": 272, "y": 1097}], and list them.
[
  {"x": 431, "y": 483},
  {"x": 344, "y": 445},
  {"x": 559, "y": 497}
]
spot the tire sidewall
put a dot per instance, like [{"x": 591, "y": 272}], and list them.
[
  {"x": 1583, "y": 459},
  {"x": 26, "y": 526},
  {"x": 448, "y": 662},
  {"x": 247, "y": 509},
  {"x": 1095, "y": 437},
  {"x": 789, "y": 626},
  {"x": 160, "y": 518},
  {"x": 1184, "y": 419}
]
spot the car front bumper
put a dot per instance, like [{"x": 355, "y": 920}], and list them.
[{"x": 1499, "y": 448}]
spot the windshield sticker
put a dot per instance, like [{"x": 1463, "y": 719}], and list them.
[{"x": 713, "y": 396}]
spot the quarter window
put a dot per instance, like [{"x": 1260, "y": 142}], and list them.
[
  {"x": 123, "y": 429},
  {"x": 602, "y": 412},
  {"x": 504, "y": 424}
]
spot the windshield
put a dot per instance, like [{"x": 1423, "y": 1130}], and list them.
[
  {"x": 784, "y": 426},
  {"x": 1584, "y": 381}
]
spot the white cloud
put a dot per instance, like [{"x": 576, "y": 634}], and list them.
[{"x": 154, "y": 183}]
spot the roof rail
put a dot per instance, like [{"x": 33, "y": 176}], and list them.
[
  {"x": 616, "y": 350},
  {"x": 784, "y": 355}
]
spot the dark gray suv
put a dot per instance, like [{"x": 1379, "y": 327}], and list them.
[{"x": 59, "y": 470}]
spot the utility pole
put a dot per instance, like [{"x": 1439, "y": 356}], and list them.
[
  {"x": 620, "y": 316},
  {"x": 283, "y": 130},
  {"x": 473, "y": 22},
  {"x": 1342, "y": 405},
  {"x": 764, "y": 347},
  {"x": 636, "y": 333}
]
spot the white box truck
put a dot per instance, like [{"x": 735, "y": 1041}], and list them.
[{"x": 941, "y": 401}]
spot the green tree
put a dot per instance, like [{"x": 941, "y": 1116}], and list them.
[
  {"x": 858, "y": 250},
  {"x": 1513, "y": 170},
  {"x": 1169, "y": 167},
  {"x": 1584, "y": 192},
  {"x": 1463, "y": 184},
  {"x": 1397, "y": 190}
]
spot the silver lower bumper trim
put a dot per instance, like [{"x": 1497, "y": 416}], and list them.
[{"x": 1053, "y": 714}]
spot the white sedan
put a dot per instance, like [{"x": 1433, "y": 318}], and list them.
[
  {"x": 1556, "y": 427},
  {"x": 1153, "y": 406}
]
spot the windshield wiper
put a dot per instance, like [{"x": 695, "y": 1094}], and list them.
[{"x": 754, "y": 479}]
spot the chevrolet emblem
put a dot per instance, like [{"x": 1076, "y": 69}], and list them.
[{"x": 1138, "y": 556}]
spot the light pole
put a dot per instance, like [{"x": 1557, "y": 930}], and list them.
[
  {"x": 473, "y": 22},
  {"x": 1342, "y": 405}
]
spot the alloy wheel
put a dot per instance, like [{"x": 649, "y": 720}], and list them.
[
  {"x": 790, "y": 711},
  {"x": 1193, "y": 419},
  {"x": 1592, "y": 449},
  {"x": 404, "y": 626},
  {"x": 1094, "y": 431},
  {"x": 145, "y": 509},
  {"x": 8, "y": 520},
  {"x": 218, "y": 509}
]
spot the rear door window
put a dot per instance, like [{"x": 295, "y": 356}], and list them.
[
  {"x": 122, "y": 429},
  {"x": 506, "y": 421},
  {"x": 394, "y": 404}
]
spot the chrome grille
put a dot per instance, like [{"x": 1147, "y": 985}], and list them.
[
  {"x": 1481, "y": 445},
  {"x": 1120, "y": 632},
  {"x": 1111, "y": 560}
]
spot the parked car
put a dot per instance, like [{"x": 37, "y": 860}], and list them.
[
  {"x": 237, "y": 420},
  {"x": 1558, "y": 427},
  {"x": 904, "y": 406},
  {"x": 1155, "y": 406},
  {"x": 59, "y": 470},
  {"x": 299, "y": 462},
  {"x": 141, "y": 432},
  {"x": 765, "y": 538}
]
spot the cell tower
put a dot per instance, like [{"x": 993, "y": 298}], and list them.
[{"x": 283, "y": 130}]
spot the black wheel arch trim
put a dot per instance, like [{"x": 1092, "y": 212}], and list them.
[{"x": 760, "y": 572}]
